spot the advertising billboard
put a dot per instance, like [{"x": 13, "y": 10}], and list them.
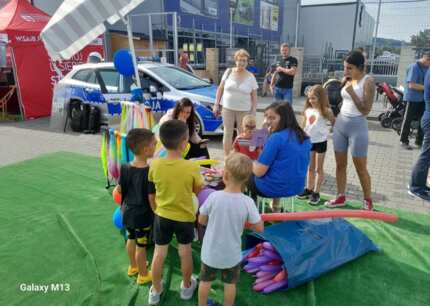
[
  {"x": 200, "y": 7},
  {"x": 269, "y": 15},
  {"x": 243, "y": 11}
]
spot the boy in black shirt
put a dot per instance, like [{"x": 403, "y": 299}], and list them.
[
  {"x": 283, "y": 78},
  {"x": 137, "y": 214}
]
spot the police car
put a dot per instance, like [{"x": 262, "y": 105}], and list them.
[{"x": 99, "y": 84}]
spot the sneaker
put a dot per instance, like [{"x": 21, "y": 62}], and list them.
[
  {"x": 315, "y": 198},
  {"x": 187, "y": 293},
  {"x": 154, "y": 297},
  {"x": 132, "y": 271},
  {"x": 340, "y": 201},
  {"x": 406, "y": 146},
  {"x": 144, "y": 279},
  {"x": 367, "y": 204},
  {"x": 305, "y": 194},
  {"x": 423, "y": 195},
  {"x": 211, "y": 303}
]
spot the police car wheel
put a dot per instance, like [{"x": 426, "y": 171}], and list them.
[{"x": 75, "y": 113}]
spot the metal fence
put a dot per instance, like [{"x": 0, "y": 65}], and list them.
[{"x": 319, "y": 69}]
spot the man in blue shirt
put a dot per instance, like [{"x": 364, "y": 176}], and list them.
[
  {"x": 252, "y": 68},
  {"x": 414, "y": 95},
  {"x": 418, "y": 186}
]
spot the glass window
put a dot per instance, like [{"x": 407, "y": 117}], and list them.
[
  {"x": 178, "y": 78},
  {"x": 110, "y": 79},
  {"x": 82, "y": 75},
  {"x": 146, "y": 81},
  {"x": 92, "y": 78}
]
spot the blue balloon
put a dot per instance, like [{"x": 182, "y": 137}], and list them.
[
  {"x": 123, "y": 62},
  {"x": 136, "y": 95},
  {"x": 117, "y": 219}
]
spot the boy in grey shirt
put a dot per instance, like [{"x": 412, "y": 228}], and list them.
[{"x": 225, "y": 214}]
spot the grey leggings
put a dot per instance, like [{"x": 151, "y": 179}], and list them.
[{"x": 351, "y": 131}]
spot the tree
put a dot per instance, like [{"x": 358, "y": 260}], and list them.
[{"x": 422, "y": 39}]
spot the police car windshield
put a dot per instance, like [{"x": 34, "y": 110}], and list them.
[{"x": 178, "y": 78}]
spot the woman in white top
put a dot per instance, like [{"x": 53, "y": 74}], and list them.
[
  {"x": 317, "y": 115},
  {"x": 351, "y": 128},
  {"x": 238, "y": 93}
]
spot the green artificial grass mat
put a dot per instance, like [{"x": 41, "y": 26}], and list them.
[{"x": 56, "y": 228}]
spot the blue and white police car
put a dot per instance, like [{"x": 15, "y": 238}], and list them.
[{"x": 100, "y": 84}]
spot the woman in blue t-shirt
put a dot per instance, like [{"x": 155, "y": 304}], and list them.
[{"x": 281, "y": 168}]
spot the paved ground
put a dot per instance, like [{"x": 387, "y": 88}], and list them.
[{"x": 389, "y": 165}]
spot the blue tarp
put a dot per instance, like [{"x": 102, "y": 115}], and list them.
[{"x": 312, "y": 248}]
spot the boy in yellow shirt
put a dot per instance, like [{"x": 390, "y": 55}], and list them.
[{"x": 175, "y": 180}]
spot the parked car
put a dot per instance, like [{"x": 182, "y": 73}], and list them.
[{"x": 102, "y": 86}]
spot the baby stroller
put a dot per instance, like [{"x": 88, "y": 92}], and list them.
[
  {"x": 333, "y": 88},
  {"x": 394, "y": 97},
  {"x": 394, "y": 116}
]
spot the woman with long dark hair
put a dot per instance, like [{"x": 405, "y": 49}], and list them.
[
  {"x": 184, "y": 111},
  {"x": 351, "y": 130},
  {"x": 281, "y": 168}
]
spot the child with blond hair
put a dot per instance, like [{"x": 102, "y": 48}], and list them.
[
  {"x": 243, "y": 142},
  {"x": 225, "y": 214}
]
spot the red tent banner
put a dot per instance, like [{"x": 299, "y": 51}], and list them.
[{"x": 34, "y": 72}]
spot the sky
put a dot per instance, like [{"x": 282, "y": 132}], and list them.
[{"x": 398, "y": 20}]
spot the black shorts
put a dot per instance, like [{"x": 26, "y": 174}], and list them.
[
  {"x": 319, "y": 147},
  {"x": 141, "y": 235},
  {"x": 165, "y": 228},
  {"x": 228, "y": 276}
]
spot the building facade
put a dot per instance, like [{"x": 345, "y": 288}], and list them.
[
  {"x": 331, "y": 30},
  {"x": 257, "y": 26}
]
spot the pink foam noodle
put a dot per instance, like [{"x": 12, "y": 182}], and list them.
[
  {"x": 275, "y": 262},
  {"x": 275, "y": 286},
  {"x": 252, "y": 265},
  {"x": 268, "y": 246},
  {"x": 340, "y": 213},
  {"x": 272, "y": 255},
  {"x": 262, "y": 285},
  {"x": 253, "y": 253},
  {"x": 280, "y": 276},
  {"x": 259, "y": 259},
  {"x": 252, "y": 270},
  {"x": 264, "y": 273},
  {"x": 265, "y": 278},
  {"x": 270, "y": 268}
]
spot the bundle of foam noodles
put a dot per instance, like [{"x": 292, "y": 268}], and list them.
[{"x": 289, "y": 254}]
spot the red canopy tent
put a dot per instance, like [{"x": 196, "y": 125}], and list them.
[{"x": 35, "y": 75}]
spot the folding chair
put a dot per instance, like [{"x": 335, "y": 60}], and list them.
[
  {"x": 283, "y": 202},
  {"x": 4, "y": 100}
]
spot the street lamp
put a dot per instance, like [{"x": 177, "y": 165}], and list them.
[
  {"x": 375, "y": 37},
  {"x": 233, "y": 4},
  {"x": 296, "y": 40}
]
